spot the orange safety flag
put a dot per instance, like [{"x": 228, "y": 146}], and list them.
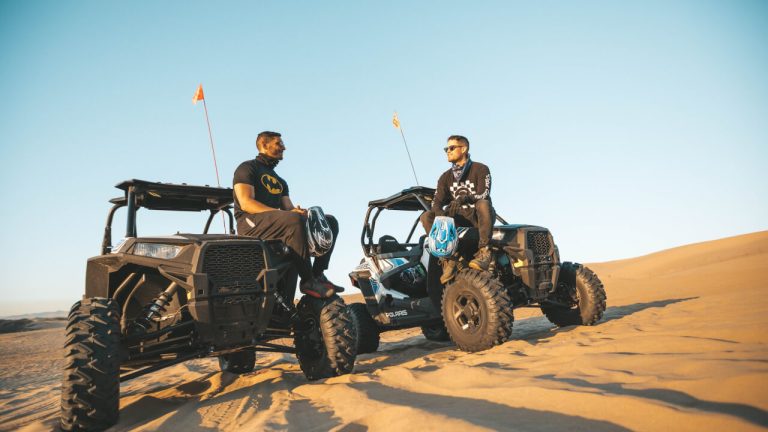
[
  {"x": 395, "y": 120},
  {"x": 198, "y": 95}
]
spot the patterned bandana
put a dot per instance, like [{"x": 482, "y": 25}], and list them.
[
  {"x": 458, "y": 171},
  {"x": 268, "y": 161}
]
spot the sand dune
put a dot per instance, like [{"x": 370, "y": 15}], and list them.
[{"x": 682, "y": 346}]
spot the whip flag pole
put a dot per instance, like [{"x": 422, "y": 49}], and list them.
[
  {"x": 396, "y": 123},
  {"x": 200, "y": 97}
]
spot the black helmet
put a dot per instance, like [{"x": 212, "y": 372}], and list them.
[{"x": 319, "y": 234}]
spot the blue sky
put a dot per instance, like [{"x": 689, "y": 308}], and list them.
[{"x": 624, "y": 127}]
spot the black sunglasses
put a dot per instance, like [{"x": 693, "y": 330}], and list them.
[{"x": 451, "y": 148}]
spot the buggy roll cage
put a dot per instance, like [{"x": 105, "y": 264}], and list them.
[
  {"x": 415, "y": 198},
  {"x": 166, "y": 196}
]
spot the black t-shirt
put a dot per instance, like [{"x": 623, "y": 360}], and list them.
[{"x": 268, "y": 187}]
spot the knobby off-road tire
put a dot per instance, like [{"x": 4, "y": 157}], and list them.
[
  {"x": 581, "y": 289},
  {"x": 477, "y": 311},
  {"x": 90, "y": 390},
  {"x": 238, "y": 362},
  {"x": 436, "y": 332},
  {"x": 368, "y": 336},
  {"x": 325, "y": 338}
]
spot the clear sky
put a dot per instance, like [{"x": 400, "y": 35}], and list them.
[{"x": 624, "y": 127}]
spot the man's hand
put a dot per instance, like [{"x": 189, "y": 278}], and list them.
[
  {"x": 299, "y": 210},
  {"x": 455, "y": 205}
]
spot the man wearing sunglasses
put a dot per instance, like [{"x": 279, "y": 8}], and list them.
[{"x": 465, "y": 191}]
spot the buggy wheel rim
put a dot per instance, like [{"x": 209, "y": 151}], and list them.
[
  {"x": 313, "y": 337},
  {"x": 569, "y": 295},
  {"x": 573, "y": 296},
  {"x": 467, "y": 313}
]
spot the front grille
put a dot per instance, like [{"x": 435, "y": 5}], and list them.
[
  {"x": 538, "y": 242},
  {"x": 233, "y": 268}
]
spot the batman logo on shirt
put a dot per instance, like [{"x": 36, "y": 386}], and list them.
[{"x": 271, "y": 184}]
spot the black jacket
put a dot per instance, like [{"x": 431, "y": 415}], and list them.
[{"x": 475, "y": 183}]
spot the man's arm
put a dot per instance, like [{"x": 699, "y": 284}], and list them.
[
  {"x": 287, "y": 204},
  {"x": 442, "y": 195},
  {"x": 483, "y": 183},
  {"x": 245, "y": 196}
]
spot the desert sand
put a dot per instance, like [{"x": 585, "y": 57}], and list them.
[{"x": 683, "y": 346}]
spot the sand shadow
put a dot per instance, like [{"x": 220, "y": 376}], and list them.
[
  {"x": 200, "y": 404},
  {"x": 186, "y": 386},
  {"x": 673, "y": 397},
  {"x": 15, "y": 325},
  {"x": 397, "y": 353},
  {"x": 302, "y": 415},
  {"x": 479, "y": 412},
  {"x": 536, "y": 329},
  {"x": 532, "y": 330},
  {"x": 617, "y": 312}
]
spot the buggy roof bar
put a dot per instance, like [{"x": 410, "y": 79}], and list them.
[
  {"x": 178, "y": 197},
  {"x": 166, "y": 196},
  {"x": 413, "y": 198}
]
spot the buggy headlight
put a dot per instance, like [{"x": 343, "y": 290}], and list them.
[{"x": 156, "y": 250}]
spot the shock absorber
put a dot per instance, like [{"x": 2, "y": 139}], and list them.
[
  {"x": 281, "y": 301},
  {"x": 143, "y": 323}
]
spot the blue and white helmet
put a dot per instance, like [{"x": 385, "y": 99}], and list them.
[
  {"x": 319, "y": 234},
  {"x": 442, "y": 240}
]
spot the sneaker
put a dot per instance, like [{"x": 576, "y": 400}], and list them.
[
  {"x": 314, "y": 288},
  {"x": 449, "y": 271},
  {"x": 482, "y": 259},
  {"x": 325, "y": 280}
]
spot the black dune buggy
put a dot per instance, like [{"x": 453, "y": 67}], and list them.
[
  {"x": 401, "y": 282},
  {"x": 152, "y": 302}
]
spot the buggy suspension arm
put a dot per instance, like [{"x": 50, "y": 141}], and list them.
[
  {"x": 142, "y": 324},
  {"x": 161, "y": 365}
]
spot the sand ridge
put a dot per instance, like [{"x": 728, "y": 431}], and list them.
[{"x": 682, "y": 345}]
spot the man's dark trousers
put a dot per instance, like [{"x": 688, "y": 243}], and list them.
[
  {"x": 290, "y": 227},
  {"x": 481, "y": 216}
]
